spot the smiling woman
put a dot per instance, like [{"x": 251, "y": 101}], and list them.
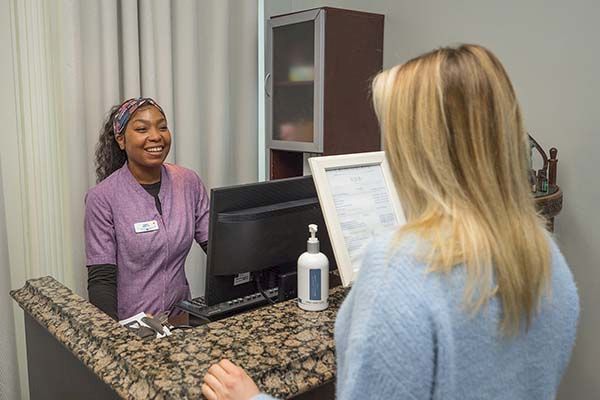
[
  {"x": 142, "y": 216},
  {"x": 146, "y": 143}
]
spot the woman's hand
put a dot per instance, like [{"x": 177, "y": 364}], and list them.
[{"x": 227, "y": 381}]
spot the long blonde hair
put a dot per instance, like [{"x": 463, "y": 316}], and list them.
[{"x": 457, "y": 148}]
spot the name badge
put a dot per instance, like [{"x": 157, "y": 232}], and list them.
[{"x": 147, "y": 226}]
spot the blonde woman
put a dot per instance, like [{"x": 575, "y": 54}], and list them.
[{"x": 472, "y": 299}]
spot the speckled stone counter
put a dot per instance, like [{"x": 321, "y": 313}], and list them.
[{"x": 285, "y": 349}]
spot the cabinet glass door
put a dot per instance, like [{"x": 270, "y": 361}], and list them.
[{"x": 295, "y": 102}]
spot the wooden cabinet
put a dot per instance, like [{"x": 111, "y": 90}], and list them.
[{"x": 319, "y": 68}]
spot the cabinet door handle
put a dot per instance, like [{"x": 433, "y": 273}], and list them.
[{"x": 267, "y": 76}]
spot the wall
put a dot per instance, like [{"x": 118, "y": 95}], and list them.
[{"x": 551, "y": 52}]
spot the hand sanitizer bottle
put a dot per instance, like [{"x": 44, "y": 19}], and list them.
[{"x": 313, "y": 275}]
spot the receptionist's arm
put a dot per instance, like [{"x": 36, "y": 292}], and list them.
[
  {"x": 201, "y": 215},
  {"x": 102, "y": 288},
  {"x": 101, "y": 254}
]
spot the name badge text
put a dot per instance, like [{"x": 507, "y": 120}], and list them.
[{"x": 147, "y": 226}]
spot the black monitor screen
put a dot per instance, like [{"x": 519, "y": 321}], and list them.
[{"x": 258, "y": 231}]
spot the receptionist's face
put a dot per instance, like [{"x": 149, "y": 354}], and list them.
[{"x": 147, "y": 139}]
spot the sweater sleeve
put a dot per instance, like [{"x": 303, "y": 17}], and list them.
[
  {"x": 263, "y": 396},
  {"x": 385, "y": 335}
]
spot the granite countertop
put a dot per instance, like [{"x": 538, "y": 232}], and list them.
[{"x": 285, "y": 349}]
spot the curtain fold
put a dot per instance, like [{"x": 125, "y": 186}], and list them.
[
  {"x": 129, "y": 51},
  {"x": 73, "y": 61}
]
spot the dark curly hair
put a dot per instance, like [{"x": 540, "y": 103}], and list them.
[{"x": 109, "y": 157}]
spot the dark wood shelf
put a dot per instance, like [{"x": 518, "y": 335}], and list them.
[
  {"x": 550, "y": 204},
  {"x": 342, "y": 117},
  {"x": 551, "y": 190}
]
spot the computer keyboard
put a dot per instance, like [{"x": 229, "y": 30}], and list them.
[{"x": 198, "y": 307}]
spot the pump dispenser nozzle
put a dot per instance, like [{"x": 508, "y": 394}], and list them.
[{"x": 313, "y": 243}]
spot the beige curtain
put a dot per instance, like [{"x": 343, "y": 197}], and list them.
[{"x": 71, "y": 61}]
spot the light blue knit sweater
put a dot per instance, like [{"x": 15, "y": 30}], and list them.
[{"x": 403, "y": 333}]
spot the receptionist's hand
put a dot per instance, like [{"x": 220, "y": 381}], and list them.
[{"x": 227, "y": 381}]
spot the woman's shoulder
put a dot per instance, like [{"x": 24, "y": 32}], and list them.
[
  {"x": 563, "y": 281},
  {"x": 181, "y": 173},
  {"x": 186, "y": 180},
  {"x": 391, "y": 250},
  {"x": 555, "y": 252},
  {"x": 395, "y": 262},
  {"x": 104, "y": 188}
]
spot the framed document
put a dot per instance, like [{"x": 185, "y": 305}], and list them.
[{"x": 359, "y": 200}]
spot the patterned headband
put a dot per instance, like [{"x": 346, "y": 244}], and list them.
[{"x": 128, "y": 108}]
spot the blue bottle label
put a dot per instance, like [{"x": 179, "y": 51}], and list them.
[{"x": 315, "y": 284}]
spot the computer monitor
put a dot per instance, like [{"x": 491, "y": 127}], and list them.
[{"x": 258, "y": 231}]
